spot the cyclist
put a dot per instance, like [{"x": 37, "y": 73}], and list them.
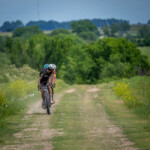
[
  {"x": 52, "y": 81},
  {"x": 44, "y": 80}
]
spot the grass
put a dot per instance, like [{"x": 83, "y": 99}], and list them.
[
  {"x": 67, "y": 118},
  {"x": 145, "y": 51},
  {"x": 20, "y": 81},
  {"x": 9, "y": 34},
  {"x": 73, "y": 121},
  {"x": 136, "y": 128},
  {"x": 60, "y": 85},
  {"x": 81, "y": 122},
  {"x": 142, "y": 86},
  {"x": 79, "y": 112},
  {"x": 12, "y": 118}
]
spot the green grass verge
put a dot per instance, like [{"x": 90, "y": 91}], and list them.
[
  {"x": 145, "y": 51},
  {"x": 142, "y": 85},
  {"x": 137, "y": 129},
  {"x": 13, "y": 110},
  {"x": 60, "y": 85},
  {"x": 12, "y": 118}
]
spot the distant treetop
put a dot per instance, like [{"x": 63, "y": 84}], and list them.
[{"x": 51, "y": 25}]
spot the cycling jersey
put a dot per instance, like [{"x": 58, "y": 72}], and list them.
[{"x": 45, "y": 76}]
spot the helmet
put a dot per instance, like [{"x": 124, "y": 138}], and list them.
[
  {"x": 52, "y": 66},
  {"x": 46, "y": 66}
]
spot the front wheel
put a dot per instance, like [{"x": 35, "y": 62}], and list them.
[
  {"x": 47, "y": 102},
  {"x": 48, "y": 110}
]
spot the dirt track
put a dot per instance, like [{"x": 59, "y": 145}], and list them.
[{"x": 37, "y": 132}]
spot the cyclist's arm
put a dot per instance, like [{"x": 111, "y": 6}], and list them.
[
  {"x": 50, "y": 80},
  {"x": 40, "y": 77},
  {"x": 39, "y": 80},
  {"x": 53, "y": 81},
  {"x": 54, "y": 77}
]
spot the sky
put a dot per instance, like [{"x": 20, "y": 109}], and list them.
[{"x": 135, "y": 11}]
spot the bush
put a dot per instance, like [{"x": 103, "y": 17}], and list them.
[
  {"x": 10, "y": 73},
  {"x": 129, "y": 95},
  {"x": 19, "y": 89},
  {"x": 135, "y": 93}
]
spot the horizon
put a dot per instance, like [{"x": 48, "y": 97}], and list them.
[
  {"x": 135, "y": 11},
  {"x": 71, "y": 21}
]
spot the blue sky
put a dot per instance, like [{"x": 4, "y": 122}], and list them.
[{"x": 134, "y": 11}]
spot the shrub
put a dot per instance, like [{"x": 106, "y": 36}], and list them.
[
  {"x": 19, "y": 89},
  {"x": 129, "y": 95},
  {"x": 11, "y": 73}
]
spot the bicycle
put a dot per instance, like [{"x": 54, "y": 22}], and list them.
[{"x": 47, "y": 99}]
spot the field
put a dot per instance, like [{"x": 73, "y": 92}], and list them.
[
  {"x": 93, "y": 116},
  {"x": 145, "y": 51},
  {"x": 84, "y": 117},
  {"x": 9, "y": 34}
]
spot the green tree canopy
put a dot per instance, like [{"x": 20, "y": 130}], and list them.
[
  {"x": 83, "y": 26},
  {"x": 85, "y": 29},
  {"x": 76, "y": 60},
  {"x": 59, "y": 31},
  {"x": 26, "y": 32}
]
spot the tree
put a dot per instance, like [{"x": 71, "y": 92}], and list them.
[
  {"x": 119, "y": 28},
  {"x": 84, "y": 26},
  {"x": 36, "y": 51},
  {"x": 18, "y": 55},
  {"x": 143, "y": 31},
  {"x": 26, "y": 32},
  {"x": 88, "y": 36},
  {"x": 59, "y": 31},
  {"x": 11, "y": 26},
  {"x": 85, "y": 29}
]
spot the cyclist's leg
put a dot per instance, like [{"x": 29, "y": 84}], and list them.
[
  {"x": 42, "y": 92},
  {"x": 53, "y": 85},
  {"x": 53, "y": 95},
  {"x": 50, "y": 93},
  {"x": 50, "y": 88},
  {"x": 43, "y": 96}
]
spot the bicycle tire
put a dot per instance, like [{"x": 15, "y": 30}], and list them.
[{"x": 47, "y": 102}]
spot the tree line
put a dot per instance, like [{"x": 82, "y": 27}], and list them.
[
  {"x": 51, "y": 25},
  {"x": 79, "y": 59}
]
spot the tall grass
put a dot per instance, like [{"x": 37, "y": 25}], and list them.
[
  {"x": 16, "y": 83},
  {"x": 11, "y": 97},
  {"x": 135, "y": 93},
  {"x": 128, "y": 94},
  {"x": 134, "y": 122},
  {"x": 19, "y": 88}
]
